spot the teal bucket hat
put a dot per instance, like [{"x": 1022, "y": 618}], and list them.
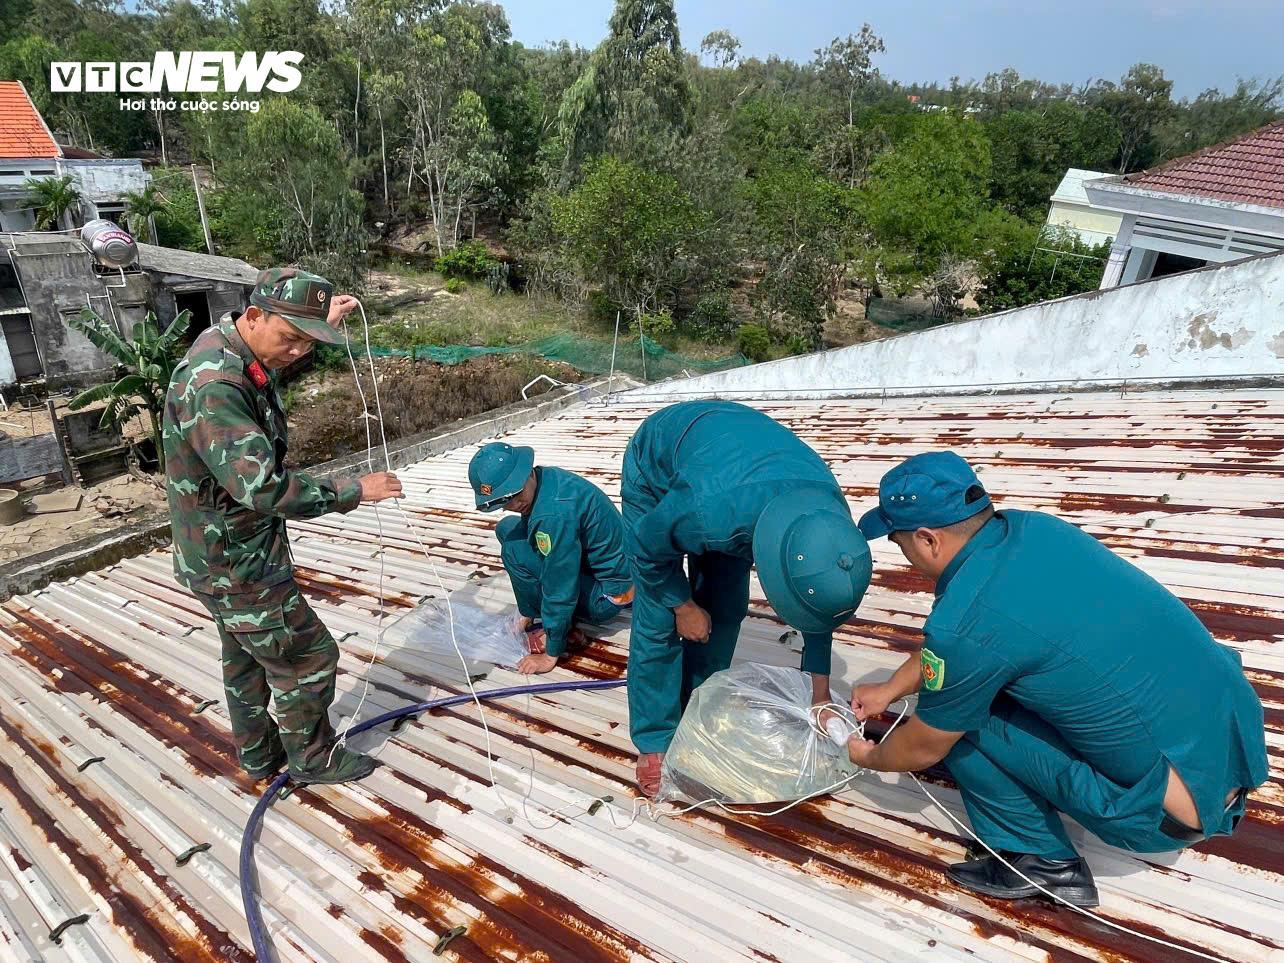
[
  {"x": 813, "y": 562},
  {"x": 497, "y": 472}
]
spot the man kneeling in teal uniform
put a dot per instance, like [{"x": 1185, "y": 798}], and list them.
[
  {"x": 565, "y": 553},
  {"x": 1054, "y": 678},
  {"x": 723, "y": 486}
]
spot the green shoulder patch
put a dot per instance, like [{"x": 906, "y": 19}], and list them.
[
  {"x": 543, "y": 543},
  {"x": 933, "y": 669}
]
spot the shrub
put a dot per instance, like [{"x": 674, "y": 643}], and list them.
[
  {"x": 797, "y": 344},
  {"x": 754, "y": 342},
  {"x": 712, "y": 317},
  {"x": 601, "y": 308},
  {"x": 658, "y": 324},
  {"x": 454, "y": 285},
  {"x": 471, "y": 259}
]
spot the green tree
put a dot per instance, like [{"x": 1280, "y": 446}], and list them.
[
  {"x": 140, "y": 209},
  {"x": 1213, "y": 117},
  {"x": 633, "y": 98},
  {"x": 802, "y": 226},
  {"x": 926, "y": 198},
  {"x": 52, "y": 197},
  {"x": 722, "y": 47},
  {"x": 846, "y": 68},
  {"x": 1031, "y": 150},
  {"x": 1026, "y": 264},
  {"x": 1140, "y": 103},
  {"x": 149, "y": 354},
  {"x": 289, "y": 195},
  {"x": 633, "y": 229}
]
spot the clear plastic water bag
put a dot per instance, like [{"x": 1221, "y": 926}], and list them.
[
  {"x": 747, "y": 737},
  {"x": 482, "y": 635}
]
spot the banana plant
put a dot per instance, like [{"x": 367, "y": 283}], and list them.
[{"x": 149, "y": 356}]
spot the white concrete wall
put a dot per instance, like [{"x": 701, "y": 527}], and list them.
[
  {"x": 1093, "y": 226},
  {"x": 1223, "y": 321},
  {"x": 107, "y": 179},
  {"x": 7, "y": 374}
]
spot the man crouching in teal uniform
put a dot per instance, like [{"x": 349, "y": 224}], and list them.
[
  {"x": 723, "y": 486},
  {"x": 564, "y": 554},
  {"x": 1054, "y": 678}
]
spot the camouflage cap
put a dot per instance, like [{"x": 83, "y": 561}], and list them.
[{"x": 301, "y": 298}]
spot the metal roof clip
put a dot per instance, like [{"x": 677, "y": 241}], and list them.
[
  {"x": 55, "y": 935},
  {"x": 447, "y": 938},
  {"x": 89, "y": 762},
  {"x": 184, "y": 856},
  {"x": 201, "y": 707}
]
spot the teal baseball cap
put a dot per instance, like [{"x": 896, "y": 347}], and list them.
[
  {"x": 498, "y": 471},
  {"x": 813, "y": 562},
  {"x": 930, "y": 490}
]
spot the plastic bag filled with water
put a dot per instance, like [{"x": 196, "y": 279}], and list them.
[
  {"x": 483, "y": 636},
  {"x": 747, "y": 737}
]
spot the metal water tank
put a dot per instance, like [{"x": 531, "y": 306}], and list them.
[{"x": 110, "y": 246}]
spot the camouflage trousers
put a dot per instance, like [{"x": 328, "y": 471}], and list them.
[{"x": 274, "y": 645}]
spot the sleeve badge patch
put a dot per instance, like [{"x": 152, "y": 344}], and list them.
[
  {"x": 543, "y": 543},
  {"x": 933, "y": 670}
]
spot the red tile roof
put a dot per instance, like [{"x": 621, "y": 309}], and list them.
[
  {"x": 1248, "y": 170},
  {"x": 22, "y": 131}
]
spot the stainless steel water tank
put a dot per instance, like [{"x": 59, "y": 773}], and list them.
[{"x": 110, "y": 245}]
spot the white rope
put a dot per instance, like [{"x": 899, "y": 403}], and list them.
[
  {"x": 366, "y": 417},
  {"x": 642, "y": 804}
]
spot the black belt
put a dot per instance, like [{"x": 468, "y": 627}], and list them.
[{"x": 1180, "y": 831}]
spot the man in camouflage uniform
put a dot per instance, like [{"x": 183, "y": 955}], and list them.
[{"x": 229, "y": 496}]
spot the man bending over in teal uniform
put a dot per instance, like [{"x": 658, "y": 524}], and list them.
[
  {"x": 1055, "y": 678},
  {"x": 722, "y": 487},
  {"x": 564, "y": 554}
]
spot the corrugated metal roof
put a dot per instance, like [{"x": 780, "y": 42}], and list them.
[
  {"x": 152, "y": 257},
  {"x": 115, "y": 665}
]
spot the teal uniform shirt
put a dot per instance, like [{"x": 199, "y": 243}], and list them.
[
  {"x": 696, "y": 478},
  {"x": 576, "y": 546},
  {"x": 1043, "y": 640}
]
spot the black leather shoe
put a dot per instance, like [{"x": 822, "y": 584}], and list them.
[{"x": 1069, "y": 879}]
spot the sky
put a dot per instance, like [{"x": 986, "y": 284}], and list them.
[{"x": 1199, "y": 43}]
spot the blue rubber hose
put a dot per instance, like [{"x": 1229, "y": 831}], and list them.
[{"x": 249, "y": 892}]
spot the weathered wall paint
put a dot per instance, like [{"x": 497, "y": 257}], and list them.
[{"x": 1217, "y": 322}]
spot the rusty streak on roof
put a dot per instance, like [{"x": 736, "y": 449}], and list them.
[{"x": 1188, "y": 485}]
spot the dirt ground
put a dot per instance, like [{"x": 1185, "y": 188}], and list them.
[
  {"x": 103, "y": 507},
  {"x": 325, "y": 414}
]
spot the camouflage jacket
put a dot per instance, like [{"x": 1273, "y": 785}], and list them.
[{"x": 229, "y": 492}]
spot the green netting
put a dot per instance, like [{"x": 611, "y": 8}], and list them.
[
  {"x": 642, "y": 358},
  {"x": 900, "y": 316}
]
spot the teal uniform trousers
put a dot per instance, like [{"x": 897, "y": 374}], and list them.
[
  {"x": 1078, "y": 680},
  {"x": 565, "y": 558},
  {"x": 696, "y": 477}
]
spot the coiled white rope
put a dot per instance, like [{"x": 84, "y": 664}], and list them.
[{"x": 642, "y": 804}]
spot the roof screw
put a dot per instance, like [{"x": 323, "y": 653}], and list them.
[
  {"x": 1164, "y": 499},
  {"x": 1181, "y": 475},
  {"x": 1150, "y": 522}
]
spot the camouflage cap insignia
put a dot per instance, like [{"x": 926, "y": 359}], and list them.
[
  {"x": 932, "y": 667},
  {"x": 543, "y": 543}
]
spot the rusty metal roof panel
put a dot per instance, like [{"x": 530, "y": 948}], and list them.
[{"x": 118, "y": 760}]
